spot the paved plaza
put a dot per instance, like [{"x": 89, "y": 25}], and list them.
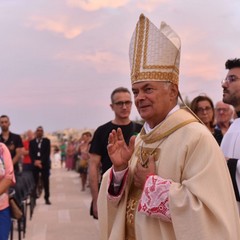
[{"x": 68, "y": 216}]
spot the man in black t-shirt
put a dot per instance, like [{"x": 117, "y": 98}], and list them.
[
  {"x": 100, "y": 140},
  {"x": 12, "y": 141},
  {"x": 121, "y": 104}
]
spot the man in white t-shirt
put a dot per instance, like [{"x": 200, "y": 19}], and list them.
[{"x": 231, "y": 140}]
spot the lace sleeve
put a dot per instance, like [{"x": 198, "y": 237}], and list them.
[{"x": 154, "y": 201}]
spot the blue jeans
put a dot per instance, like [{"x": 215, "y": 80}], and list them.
[{"x": 5, "y": 223}]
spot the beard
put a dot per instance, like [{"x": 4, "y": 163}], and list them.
[{"x": 4, "y": 128}]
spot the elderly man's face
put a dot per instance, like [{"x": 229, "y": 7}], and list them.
[
  {"x": 154, "y": 100},
  {"x": 223, "y": 113}
]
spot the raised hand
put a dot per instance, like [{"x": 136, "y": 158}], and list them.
[
  {"x": 118, "y": 151},
  {"x": 141, "y": 173}
]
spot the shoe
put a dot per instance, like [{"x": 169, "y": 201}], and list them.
[{"x": 48, "y": 202}]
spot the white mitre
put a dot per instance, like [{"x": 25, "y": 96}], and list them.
[{"x": 154, "y": 53}]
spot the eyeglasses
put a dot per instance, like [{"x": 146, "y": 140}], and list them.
[
  {"x": 230, "y": 79},
  {"x": 224, "y": 110},
  {"x": 122, "y": 103},
  {"x": 202, "y": 110}
]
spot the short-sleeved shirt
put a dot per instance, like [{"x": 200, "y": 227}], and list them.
[
  {"x": 6, "y": 171},
  {"x": 13, "y": 142},
  {"x": 63, "y": 149},
  {"x": 100, "y": 140},
  {"x": 26, "y": 159}
]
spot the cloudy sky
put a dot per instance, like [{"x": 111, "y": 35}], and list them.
[{"x": 60, "y": 59}]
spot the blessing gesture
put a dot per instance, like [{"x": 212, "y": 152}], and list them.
[{"x": 118, "y": 151}]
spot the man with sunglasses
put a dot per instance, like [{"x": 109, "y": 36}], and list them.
[
  {"x": 121, "y": 105},
  {"x": 231, "y": 140}
]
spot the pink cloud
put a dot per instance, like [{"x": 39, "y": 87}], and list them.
[
  {"x": 58, "y": 25},
  {"x": 102, "y": 61},
  {"x": 150, "y": 5},
  {"x": 198, "y": 65},
  {"x": 93, "y": 5}
]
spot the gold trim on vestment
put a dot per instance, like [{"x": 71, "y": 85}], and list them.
[
  {"x": 165, "y": 134},
  {"x": 142, "y": 154},
  {"x": 132, "y": 203}
]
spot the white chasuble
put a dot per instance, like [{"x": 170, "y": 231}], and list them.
[{"x": 202, "y": 203}]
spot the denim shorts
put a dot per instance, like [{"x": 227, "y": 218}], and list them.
[{"x": 5, "y": 223}]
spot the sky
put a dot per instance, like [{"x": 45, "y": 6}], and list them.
[{"x": 61, "y": 59}]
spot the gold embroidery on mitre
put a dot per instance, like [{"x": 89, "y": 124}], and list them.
[
  {"x": 151, "y": 72},
  {"x": 158, "y": 76},
  {"x": 145, "y": 66},
  {"x": 138, "y": 46}
]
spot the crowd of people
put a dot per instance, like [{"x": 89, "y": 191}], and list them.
[{"x": 175, "y": 175}]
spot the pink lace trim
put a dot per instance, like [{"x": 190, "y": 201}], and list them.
[{"x": 155, "y": 198}]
